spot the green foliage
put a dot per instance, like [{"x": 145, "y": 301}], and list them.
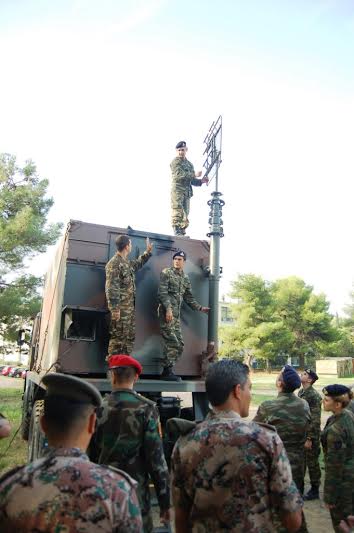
[
  {"x": 24, "y": 232},
  {"x": 279, "y": 318}
]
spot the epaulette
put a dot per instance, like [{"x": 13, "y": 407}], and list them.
[
  {"x": 10, "y": 473},
  {"x": 144, "y": 399},
  {"x": 266, "y": 426},
  {"x": 126, "y": 476}
]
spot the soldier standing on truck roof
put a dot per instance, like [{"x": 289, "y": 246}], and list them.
[
  {"x": 120, "y": 294},
  {"x": 183, "y": 177},
  {"x": 64, "y": 491},
  {"x": 128, "y": 436},
  {"x": 175, "y": 287}
]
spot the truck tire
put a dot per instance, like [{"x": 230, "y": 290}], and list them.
[
  {"x": 26, "y": 410},
  {"x": 36, "y": 438}
]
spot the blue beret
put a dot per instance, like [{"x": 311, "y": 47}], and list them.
[
  {"x": 181, "y": 144},
  {"x": 291, "y": 378},
  {"x": 335, "y": 390},
  {"x": 312, "y": 374},
  {"x": 180, "y": 253}
]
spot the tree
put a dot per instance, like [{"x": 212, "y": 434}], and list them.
[{"x": 24, "y": 232}]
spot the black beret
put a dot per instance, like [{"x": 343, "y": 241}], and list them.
[
  {"x": 180, "y": 253},
  {"x": 290, "y": 377},
  {"x": 181, "y": 144},
  {"x": 72, "y": 388},
  {"x": 335, "y": 390},
  {"x": 312, "y": 374}
]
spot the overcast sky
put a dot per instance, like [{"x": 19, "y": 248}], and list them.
[{"x": 98, "y": 94}]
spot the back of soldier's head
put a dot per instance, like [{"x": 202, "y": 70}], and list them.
[
  {"x": 64, "y": 416},
  {"x": 121, "y": 242},
  {"x": 222, "y": 377}
]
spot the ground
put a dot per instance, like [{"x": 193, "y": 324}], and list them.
[{"x": 14, "y": 451}]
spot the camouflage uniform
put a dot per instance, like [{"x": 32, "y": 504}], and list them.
[
  {"x": 183, "y": 177},
  {"x": 314, "y": 399},
  {"x": 175, "y": 286},
  {"x": 64, "y": 491},
  {"x": 232, "y": 475},
  {"x": 291, "y": 417},
  {"x": 350, "y": 407},
  {"x": 128, "y": 436},
  {"x": 120, "y": 294},
  {"x": 338, "y": 445}
]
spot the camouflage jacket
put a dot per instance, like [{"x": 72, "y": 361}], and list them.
[
  {"x": 120, "y": 280},
  {"x": 128, "y": 437},
  {"x": 175, "y": 287},
  {"x": 230, "y": 474},
  {"x": 290, "y": 416},
  {"x": 338, "y": 445},
  {"x": 183, "y": 176},
  {"x": 314, "y": 399},
  {"x": 64, "y": 491},
  {"x": 351, "y": 406}
]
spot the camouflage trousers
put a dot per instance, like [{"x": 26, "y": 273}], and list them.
[
  {"x": 122, "y": 332},
  {"x": 143, "y": 493},
  {"x": 298, "y": 471},
  {"x": 180, "y": 204},
  {"x": 343, "y": 509},
  {"x": 313, "y": 464},
  {"x": 172, "y": 339}
]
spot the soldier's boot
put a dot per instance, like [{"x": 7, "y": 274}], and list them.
[
  {"x": 313, "y": 494},
  {"x": 168, "y": 375},
  {"x": 179, "y": 231}
]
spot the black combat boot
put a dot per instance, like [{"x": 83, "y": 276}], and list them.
[
  {"x": 168, "y": 375},
  {"x": 313, "y": 494},
  {"x": 179, "y": 231}
]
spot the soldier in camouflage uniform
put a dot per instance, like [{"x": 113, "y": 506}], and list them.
[
  {"x": 229, "y": 474},
  {"x": 64, "y": 491},
  {"x": 338, "y": 445},
  {"x": 174, "y": 288},
  {"x": 183, "y": 177},
  {"x": 291, "y": 417},
  {"x": 120, "y": 294},
  {"x": 312, "y": 444},
  {"x": 128, "y": 436}
]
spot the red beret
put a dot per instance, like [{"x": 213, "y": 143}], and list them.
[{"x": 115, "y": 361}]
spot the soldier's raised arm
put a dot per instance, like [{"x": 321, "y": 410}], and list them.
[{"x": 138, "y": 263}]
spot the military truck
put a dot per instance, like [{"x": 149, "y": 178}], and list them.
[{"x": 71, "y": 332}]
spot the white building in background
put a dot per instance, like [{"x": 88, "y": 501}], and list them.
[{"x": 225, "y": 312}]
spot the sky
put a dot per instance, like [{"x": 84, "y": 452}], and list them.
[{"x": 99, "y": 93}]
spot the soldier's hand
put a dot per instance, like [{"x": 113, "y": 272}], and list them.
[
  {"x": 169, "y": 315},
  {"x": 205, "y": 310},
  {"x": 347, "y": 525},
  {"x": 165, "y": 516},
  {"x": 198, "y": 174},
  {"x": 115, "y": 314},
  {"x": 308, "y": 444},
  {"x": 149, "y": 245},
  {"x": 205, "y": 180}
]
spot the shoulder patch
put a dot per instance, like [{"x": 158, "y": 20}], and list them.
[
  {"x": 266, "y": 426},
  {"x": 144, "y": 399},
  {"x": 338, "y": 445},
  {"x": 126, "y": 476}
]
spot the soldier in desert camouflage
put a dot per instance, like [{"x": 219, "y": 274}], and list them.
[
  {"x": 128, "y": 436},
  {"x": 183, "y": 177},
  {"x": 120, "y": 294},
  {"x": 229, "y": 474},
  {"x": 64, "y": 491}
]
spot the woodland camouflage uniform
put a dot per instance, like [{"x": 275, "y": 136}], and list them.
[
  {"x": 128, "y": 437},
  {"x": 291, "y": 417},
  {"x": 64, "y": 491},
  {"x": 183, "y": 177},
  {"x": 232, "y": 475},
  {"x": 314, "y": 399},
  {"x": 120, "y": 294},
  {"x": 174, "y": 288},
  {"x": 338, "y": 445}
]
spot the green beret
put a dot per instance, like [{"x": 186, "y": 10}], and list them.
[{"x": 72, "y": 388}]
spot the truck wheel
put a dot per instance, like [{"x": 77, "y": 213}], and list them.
[
  {"x": 36, "y": 439},
  {"x": 26, "y": 412}
]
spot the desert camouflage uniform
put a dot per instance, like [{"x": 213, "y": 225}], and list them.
[
  {"x": 128, "y": 437},
  {"x": 64, "y": 492},
  {"x": 120, "y": 294},
  {"x": 338, "y": 445},
  {"x": 175, "y": 287},
  {"x": 232, "y": 475},
  {"x": 291, "y": 417},
  {"x": 314, "y": 400},
  {"x": 183, "y": 177}
]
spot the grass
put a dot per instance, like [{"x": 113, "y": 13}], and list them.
[{"x": 16, "y": 452}]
